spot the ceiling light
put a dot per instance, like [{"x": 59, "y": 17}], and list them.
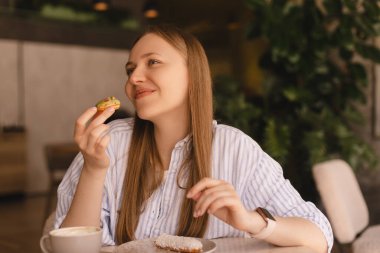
[
  {"x": 150, "y": 9},
  {"x": 101, "y": 5}
]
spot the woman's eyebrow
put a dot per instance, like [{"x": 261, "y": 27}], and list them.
[
  {"x": 128, "y": 64},
  {"x": 143, "y": 56}
]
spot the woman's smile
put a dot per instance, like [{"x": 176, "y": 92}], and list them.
[{"x": 143, "y": 92}]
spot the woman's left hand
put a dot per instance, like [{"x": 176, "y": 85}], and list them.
[{"x": 219, "y": 198}]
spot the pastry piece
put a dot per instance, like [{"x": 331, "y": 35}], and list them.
[
  {"x": 179, "y": 243},
  {"x": 139, "y": 246},
  {"x": 108, "y": 102}
]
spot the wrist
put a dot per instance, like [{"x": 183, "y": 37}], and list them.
[
  {"x": 94, "y": 173},
  {"x": 256, "y": 223},
  {"x": 270, "y": 224}
]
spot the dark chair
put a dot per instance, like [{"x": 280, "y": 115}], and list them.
[{"x": 58, "y": 157}]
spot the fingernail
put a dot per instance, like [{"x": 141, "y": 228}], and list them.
[{"x": 111, "y": 109}]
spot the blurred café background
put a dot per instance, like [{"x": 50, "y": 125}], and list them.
[{"x": 301, "y": 77}]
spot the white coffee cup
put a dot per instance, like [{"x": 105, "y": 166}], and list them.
[{"x": 83, "y": 239}]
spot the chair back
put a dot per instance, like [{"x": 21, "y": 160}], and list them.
[
  {"x": 59, "y": 157},
  {"x": 342, "y": 198}
]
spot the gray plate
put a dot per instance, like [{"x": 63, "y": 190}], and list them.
[
  {"x": 208, "y": 246},
  {"x": 148, "y": 246}
]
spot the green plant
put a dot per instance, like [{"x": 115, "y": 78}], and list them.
[
  {"x": 66, "y": 13},
  {"x": 314, "y": 81},
  {"x": 231, "y": 106},
  {"x": 73, "y": 12}
]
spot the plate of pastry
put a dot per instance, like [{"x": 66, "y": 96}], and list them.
[{"x": 168, "y": 243}]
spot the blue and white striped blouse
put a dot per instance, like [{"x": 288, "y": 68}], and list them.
[{"x": 237, "y": 159}]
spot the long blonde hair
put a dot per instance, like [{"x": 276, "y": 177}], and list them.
[{"x": 142, "y": 177}]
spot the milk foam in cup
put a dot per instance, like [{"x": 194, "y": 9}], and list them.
[
  {"x": 74, "y": 231},
  {"x": 84, "y": 239}
]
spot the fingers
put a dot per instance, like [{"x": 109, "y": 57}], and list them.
[
  {"x": 102, "y": 144},
  {"x": 219, "y": 198},
  {"x": 230, "y": 201},
  {"x": 197, "y": 196},
  {"x": 91, "y": 135},
  {"x": 83, "y": 128},
  {"x": 96, "y": 136},
  {"x": 210, "y": 196},
  {"x": 103, "y": 116},
  {"x": 202, "y": 185},
  {"x": 81, "y": 123}
]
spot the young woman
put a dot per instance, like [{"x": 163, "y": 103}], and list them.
[{"x": 172, "y": 169}]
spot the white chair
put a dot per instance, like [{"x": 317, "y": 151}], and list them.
[{"x": 345, "y": 207}]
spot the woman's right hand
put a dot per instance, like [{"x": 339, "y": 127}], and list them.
[{"x": 92, "y": 138}]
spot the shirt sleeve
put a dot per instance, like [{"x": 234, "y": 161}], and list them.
[
  {"x": 65, "y": 194},
  {"x": 275, "y": 193}
]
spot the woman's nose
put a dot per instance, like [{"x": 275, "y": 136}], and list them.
[{"x": 137, "y": 76}]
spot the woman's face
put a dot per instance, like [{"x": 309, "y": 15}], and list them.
[{"x": 157, "y": 79}]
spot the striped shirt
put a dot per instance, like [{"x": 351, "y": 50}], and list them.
[{"x": 237, "y": 159}]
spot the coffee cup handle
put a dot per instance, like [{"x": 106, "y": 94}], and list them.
[{"x": 43, "y": 244}]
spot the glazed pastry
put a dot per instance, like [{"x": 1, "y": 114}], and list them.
[
  {"x": 179, "y": 243},
  {"x": 108, "y": 102}
]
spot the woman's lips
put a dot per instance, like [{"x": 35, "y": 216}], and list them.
[{"x": 143, "y": 93}]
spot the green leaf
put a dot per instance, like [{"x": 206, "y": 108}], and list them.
[
  {"x": 294, "y": 58},
  {"x": 353, "y": 115},
  {"x": 333, "y": 7},
  {"x": 365, "y": 26},
  {"x": 321, "y": 69},
  {"x": 342, "y": 131},
  {"x": 325, "y": 88},
  {"x": 314, "y": 141},
  {"x": 368, "y": 51},
  {"x": 346, "y": 54},
  {"x": 291, "y": 94},
  {"x": 350, "y": 5},
  {"x": 256, "y": 3},
  {"x": 372, "y": 10},
  {"x": 289, "y": 6},
  {"x": 277, "y": 140},
  {"x": 359, "y": 73}
]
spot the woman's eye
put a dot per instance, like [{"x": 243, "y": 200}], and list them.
[
  {"x": 152, "y": 62},
  {"x": 129, "y": 72}
]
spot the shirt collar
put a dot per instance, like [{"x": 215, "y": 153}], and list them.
[{"x": 185, "y": 140}]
